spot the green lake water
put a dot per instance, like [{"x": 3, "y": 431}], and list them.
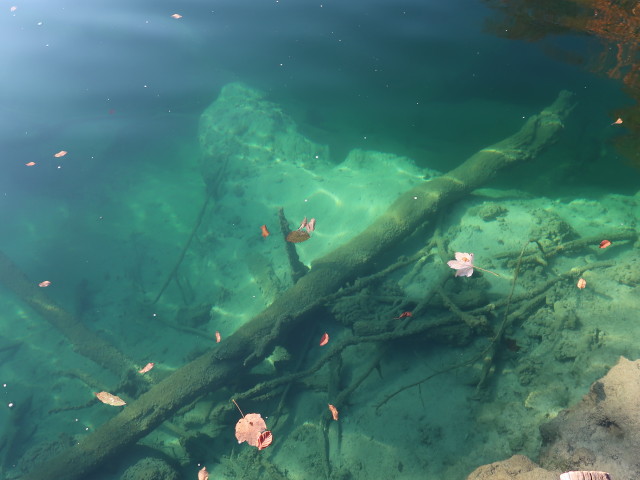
[{"x": 142, "y": 153}]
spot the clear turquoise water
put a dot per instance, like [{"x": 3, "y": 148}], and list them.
[{"x": 121, "y": 87}]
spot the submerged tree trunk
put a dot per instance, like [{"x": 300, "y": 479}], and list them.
[
  {"x": 82, "y": 340},
  {"x": 255, "y": 339}
]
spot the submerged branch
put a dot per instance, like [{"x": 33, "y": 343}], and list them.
[{"x": 329, "y": 273}]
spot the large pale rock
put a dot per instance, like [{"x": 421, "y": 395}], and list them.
[
  {"x": 254, "y": 160},
  {"x": 248, "y": 131},
  {"x": 517, "y": 467},
  {"x": 602, "y": 432}
]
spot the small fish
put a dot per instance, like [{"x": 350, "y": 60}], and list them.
[
  {"x": 44, "y": 284},
  {"x": 303, "y": 224},
  {"x": 617, "y": 122},
  {"x": 334, "y": 412},
  {"x": 176, "y": 15},
  {"x": 218, "y": 337},
  {"x": 265, "y": 231},
  {"x": 581, "y": 283},
  {"x": 605, "y": 243},
  {"x": 61, "y": 153},
  {"x": 146, "y": 368},
  {"x": 30, "y": 164},
  {"x": 324, "y": 339},
  {"x": 203, "y": 474},
  {"x": 403, "y": 315}
]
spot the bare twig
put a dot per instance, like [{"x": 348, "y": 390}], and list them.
[{"x": 185, "y": 248}]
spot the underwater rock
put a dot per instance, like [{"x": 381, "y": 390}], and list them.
[
  {"x": 528, "y": 370},
  {"x": 491, "y": 211},
  {"x": 517, "y": 467},
  {"x": 150, "y": 469},
  {"x": 630, "y": 275},
  {"x": 40, "y": 453},
  {"x": 602, "y": 432},
  {"x": 566, "y": 350},
  {"x": 565, "y": 316},
  {"x": 248, "y": 130},
  {"x": 269, "y": 365},
  {"x": 263, "y": 273},
  {"x": 254, "y": 159},
  {"x": 280, "y": 354},
  {"x": 551, "y": 230}
]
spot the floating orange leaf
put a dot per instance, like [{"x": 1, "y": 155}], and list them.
[
  {"x": 218, "y": 337},
  {"x": 203, "y": 474},
  {"x": 298, "y": 236},
  {"x": 30, "y": 164},
  {"x": 176, "y": 15},
  {"x": 581, "y": 283},
  {"x": 146, "y": 368},
  {"x": 252, "y": 429},
  {"x": 109, "y": 399},
  {"x": 605, "y": 243},
  {"x": 324, "y": 339},
  {"x": 249, "y": 428},
  {"x": 265, "y": 231},
  {"x": 61, "y": 153},
  {"x": 44, "y": 284},
  {"x": 334, "y": 412}
]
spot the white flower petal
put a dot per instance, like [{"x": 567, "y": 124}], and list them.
[
  {"x": 465, "y": 271},
  {"x": 456, "y": 264},
  {"x": 464, "y": 257}
]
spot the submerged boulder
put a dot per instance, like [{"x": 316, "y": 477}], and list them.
[
  {"x": 245, "y": 131},
  {"x": 253, "y": 161},
  {"x": 602, "y": 432},
  {"x": 599, "y": 434},
  {"x": 517, "y": 467}
]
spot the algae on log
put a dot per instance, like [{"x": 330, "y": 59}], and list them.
[{"x": 250, "y": 343}]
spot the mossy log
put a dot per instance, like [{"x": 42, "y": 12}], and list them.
[{"x": 345, "y": 264}]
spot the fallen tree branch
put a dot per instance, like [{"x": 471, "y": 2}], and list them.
[
  {"x": 183, "y": 252},
  {"x": 82, "y": 340},
  {"x": 529, "y": 300},
  {"x": 345, "y": 264}
]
